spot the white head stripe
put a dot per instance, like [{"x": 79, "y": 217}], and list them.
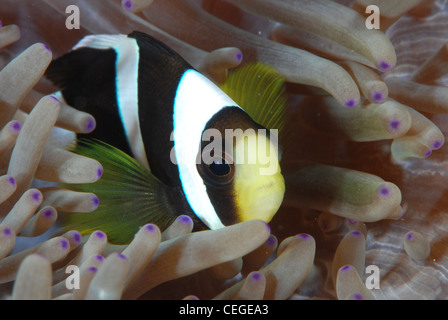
[
  {"x": 197, "y": 100},
  {"x": 127, "y": 85}
]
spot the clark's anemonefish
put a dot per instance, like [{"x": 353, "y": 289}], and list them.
[{"x": 171, "y": 142}]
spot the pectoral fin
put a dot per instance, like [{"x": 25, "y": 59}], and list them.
[{"x": 130, "y": 196}]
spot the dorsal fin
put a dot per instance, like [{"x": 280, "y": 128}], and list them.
[{"x": 260, "y": 90}]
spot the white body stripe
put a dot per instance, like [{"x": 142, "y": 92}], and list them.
[
  {"x": 127, "y": 85},
  {"x": 127, "y": 96},
  {"x": 197, "y": 100},
  {"x": 100, "y": 41}
]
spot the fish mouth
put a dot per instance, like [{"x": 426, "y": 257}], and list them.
[
  {"x": 267, "y": 187},
  {"x": 270, "y": 193}
]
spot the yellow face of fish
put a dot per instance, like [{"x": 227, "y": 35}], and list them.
[
  {"x": 259, "y": 186},
  {"x": 243, "y": 180}
]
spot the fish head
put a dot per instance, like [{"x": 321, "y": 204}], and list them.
[{"x": 243, "y": 179}]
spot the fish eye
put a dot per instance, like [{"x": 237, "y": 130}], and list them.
[
  {"x": 219, "y": 168},
  {"x": 219, "y": 172}
]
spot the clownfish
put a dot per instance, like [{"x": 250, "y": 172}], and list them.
[{"x": 170, "y": 140}]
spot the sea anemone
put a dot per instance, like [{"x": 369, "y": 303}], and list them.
[{"x": 363, "y": 157}]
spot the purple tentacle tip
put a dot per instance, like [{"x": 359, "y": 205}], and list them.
[
  {"x": 384, "y": 65},
  {"x": 256, "y": 276},
  {"x": 410, "y": 236},
  {"x": 47, "y": 47},
  {"x": 55, "y": 99},
  {"x": 16, "y": 126},
  {"x": 304, "y": 236},
  {"x": 346, "y": 267},
  {"x": 428, "y": 153},
  {"x": 12, "y": 181},
  {"x": 65, "y": 244},
  {"x": 95, "y": 201},
  {"x": 437, "y": 144},
  {"x": 358, "y": 296},
  {"x": 384, "y": 191},
  {"x": 185, "y": 219},
  {"x": 36, "y": 196},
  {"x": 99, "y": 234},
  {"x": 356, "y": 233},
  {"x": 90, "y": 125},
  {"x": 122, "y": 256},
  {"x": 92, "y": 269},
  {"x": 150, "y": 228},
  {"x": 99, "y": 172},
  {"x": 127, "y": 4},
  {"x": 99, "y": 258},
  {"x": 395, "y": 124},
  {"x": 77, "y": 237},
  {"x": 350, "y": 103},
  {"x": 7, "y": 232},
  {"x": 271, "y": 241},
  {"x": 47, "y": 213},
  {"x": 350, "y": 221},
  {"x": 239, "y": 56},
  {"x": 378, "y": 97}
]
